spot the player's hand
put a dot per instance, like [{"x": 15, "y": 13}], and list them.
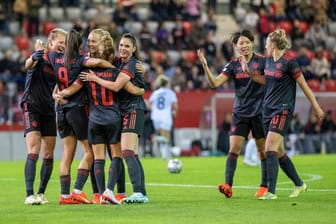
[
  {"x": 140, "y": 67},
  {"x": 37, "y": 55},
  {"x": 319, "y": 113},
  {"x": 201, "y": 57},
  {"x": 88, "y": 76},
  {"x": 244, "y": 65},
  {"x": 39, "y": 45}
]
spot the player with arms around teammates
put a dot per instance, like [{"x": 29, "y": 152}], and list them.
[{"x": 132, "y": 109}]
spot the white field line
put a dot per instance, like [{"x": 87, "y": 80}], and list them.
[{"x": 309, "y": 178}]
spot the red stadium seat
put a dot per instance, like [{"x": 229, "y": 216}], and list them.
[
  {"x": 190, "y": 55},
  {"x": 292, "y": 53},
  {"x": 314, "y": 84},
  {"x": 327, "y": 54},
  {"x": 304, "y": 25},
  {"x": 272, "y": 26},
  {"x": 48, "y": 27},
  {"x": 158, "y": 56},
  {"x": 187, "y": 25},
  {"x": 22, "y": 42},
  {"x": 286, "y": 25},
  {"x": 310, "y": 54},
  {"x": 330, "y": 85}
]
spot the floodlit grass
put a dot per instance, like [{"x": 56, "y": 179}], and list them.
[{"x": 188, "y": 197}]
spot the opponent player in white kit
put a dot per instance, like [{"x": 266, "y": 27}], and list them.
[{"x": 163, "y": 105}]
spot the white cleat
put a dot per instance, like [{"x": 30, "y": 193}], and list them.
[
  {"x": 32, "y": 200},
  {"x": 297, "y": 190}
]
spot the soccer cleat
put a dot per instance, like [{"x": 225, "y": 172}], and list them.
[
  {"x": 225, "y": 189},
  {"x": 41, "y": 198},
  {"x": 268, "y": 196},
  {"x": 68, "y": 201},
  {"x": 146, "y": 199},
  {"x": 96, "y": 198},
  {"x": 136, "y": 198},
  {"x": 81, "y": 197},
  {"x": 109, "y": 197},
  {"x": 120, "y": 197},
  {"x": 32, "y": 200},
  {"x": 297, "y": 190},
  {"x": 261, "y": 191}
]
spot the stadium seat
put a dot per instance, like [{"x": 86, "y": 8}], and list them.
[
  {"x": 272, "y": 26},
  {"x": 42, "y": 13},
  {"x": 56, "y": 13},
  {"x": 14, "y": 28},
  {"x": 330, "y": 85},
  {"x": 187, "y": 25},
  {"x": 174, "y": 56},
  {"x": 133, "y": 27},
  {"x": 304, "y": 25},
  {"x": 190, "y": 55},
  {"x": 314, "y": 84},
  {"x": 90, "y": 13},
  {"x": 292, "y": 53},
  {"x": 66, "y": 25},
  {"x": 6, "y": 42},
  {"x": 332, "y": 28},
  {"x": 73, "y": 13},
  {"x": 286, "y": 25},
  {"x": 22, "y": 42},
  {"x": 152, "y": 26},
  {"x": 158, "y": 56},
  {"x": 143, "y": 13},
  {"x": 47, "y": 27},
  {"x": 169, "y": 25},
  {"x": 327, "y": 54},
  {"x": 310, "y": 54}
]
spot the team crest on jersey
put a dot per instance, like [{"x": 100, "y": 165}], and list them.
[
  {"x": 278, "y": 65},
  {"x": 254, "y": 65}
]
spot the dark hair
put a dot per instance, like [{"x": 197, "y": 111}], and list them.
[
  {"x": 73, "y": 44},
  {"x": 246, "y": 33},
  {"x": 132, "y": 38}
]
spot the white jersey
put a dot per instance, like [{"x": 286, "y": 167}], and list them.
[{"x": 162, "y": 101}]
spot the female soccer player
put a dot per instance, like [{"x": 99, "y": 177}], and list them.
[
  {"x": 282, "y": 74},
  {"x": 132, "y": 108},
  {"x": 247, "y": 111},
  {"x": 39, "y": 116},
  {"x": 163, "y": 106}
]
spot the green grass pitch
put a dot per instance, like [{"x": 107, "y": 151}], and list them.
[{"x": 188, "y": 197}]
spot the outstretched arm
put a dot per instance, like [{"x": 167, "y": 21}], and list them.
[{"x": 213, "y": 81}]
